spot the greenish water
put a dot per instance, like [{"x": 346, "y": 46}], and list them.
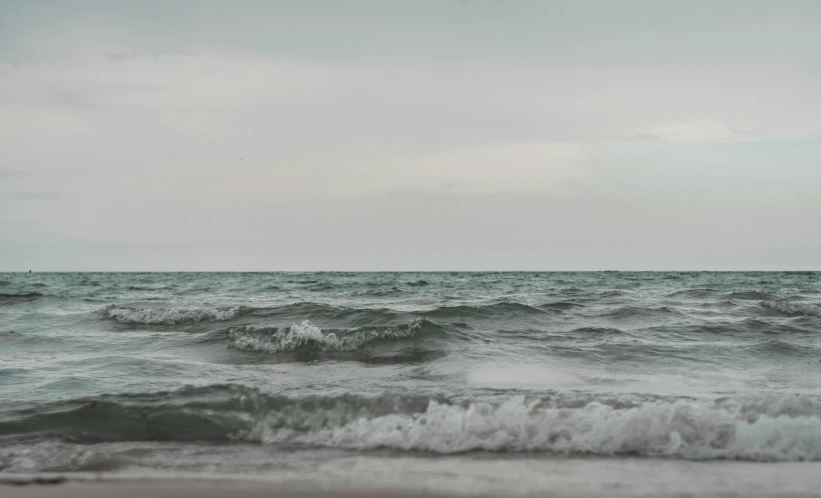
[{"x": 231, "y": 372}]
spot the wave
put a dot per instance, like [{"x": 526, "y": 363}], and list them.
[
  {"x": 22, "y": 297},
  {"x": 793, "y": 308},
  {"x": 307, "y": 336},
  {"x": 306, "y": 310},
  {"x": 572, "y": 291},
  {"x": 147, "y": 287},
  {"x": 10, "y": 337},
  {"x": 750, "y": 295},
  {"x": 743, "y": 328},
  {"x": 759, "y": 427},
  {"x": 347, "y": 316},
  {"x": 382, "y": 292},
  {"x": 561, "y": 306},
  {"x": 640, "y": 312},
  {"x": 162, "y": 316},
  {"x": 610, "y": 294},
  {"x": 775, "y": 347},
  {"x": 693, "y": 293},
  {"x": 496, "y": 310},
  {"x": 595, "y": 331},
  {"x": 321, "y": 287}
]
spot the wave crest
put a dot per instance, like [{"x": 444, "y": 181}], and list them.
[
  {"x": 499, "y": 310},
  {"x": 750, "y": 427},
  {"x": 793, "y": 308},
  {"x": 693, "y": 293},
  {"x": 625, "y": 312},
  {"x": 163, "y": 316},
  {"x": 308, "y": 336},
  {"x": 13, "y": 298}
]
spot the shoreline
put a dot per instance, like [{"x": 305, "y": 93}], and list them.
[
  {"x": 408, "y": 478},
  {"x": 188, "y": 486},
  {"x": 188, "y": 489}
]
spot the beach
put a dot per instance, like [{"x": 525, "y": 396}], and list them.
[{"x": 457, "y": 477}]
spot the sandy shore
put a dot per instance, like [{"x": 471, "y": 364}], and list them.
[
  {"x": 444, "y": 477},
  {"x": 181, "y": 489},
  {"x": 233, "y": 489}
]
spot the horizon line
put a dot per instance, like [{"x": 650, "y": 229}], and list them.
[{"x": 818, "y": 270}]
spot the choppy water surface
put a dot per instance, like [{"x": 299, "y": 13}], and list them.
[{"x": 236, "y": 371}]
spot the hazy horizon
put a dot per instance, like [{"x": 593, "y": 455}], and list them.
[{"x": 479, "y": 135}]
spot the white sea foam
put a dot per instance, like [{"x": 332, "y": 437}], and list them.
[
  {"x": 521, "y": 376},
  {"x": 158, "y": 316},
  {"x": 306, "y": 334},
  {"x": 793, "y": 308},
  {"x": 788, "y": 428}
]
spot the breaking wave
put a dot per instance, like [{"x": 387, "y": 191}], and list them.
[
  {"x": 792, "y": 308},
  {"x": 307, "y": 336},
  {"x": 350, "y": 316},
  {"x": 161, "y": 316},
  {"x": 758, "y": 427}
]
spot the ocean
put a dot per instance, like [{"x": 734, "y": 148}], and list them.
[{"x": 461, "y": 381}]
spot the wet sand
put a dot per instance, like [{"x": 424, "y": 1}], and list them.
[
  {"x": 185, "y": 490},
  {"x": 410, "y": 478}
]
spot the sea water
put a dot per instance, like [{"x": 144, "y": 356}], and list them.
[{"x": 462, "y": 381}]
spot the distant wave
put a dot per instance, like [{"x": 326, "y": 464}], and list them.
[
  {"x": 561, "y": 305},
  {"x": 750, "y": 295},
  {"x": 793, "y": 308},
  {"x": 704, "y": 293},
  {"x": 14, "y": 298},
  {"x": 160, "y": 316},
  {"x": 596, "y": 331},
  {"x": 11, "y": 337},
  {"x": 297, "y": 312},
  {"x": 147, "y": 287},
  {"x": 308, "y": 336},
  {"x": 321, "y": 286},
  {"x": 760, "y": 427},
  {"x": 625, "y": 312},
  {"x": 495, "y": 310},
  {"x": 313, "y": 310},
  {"x": 775, "y": 347},
  {"x": 693, "y": 293},
  {"x": 381, "y": 292},
  {"x": 610, "y": 294},
  {"x": 290, "y": 312}
]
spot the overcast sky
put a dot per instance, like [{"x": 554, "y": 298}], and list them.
[{"x": 405, "y": 135}]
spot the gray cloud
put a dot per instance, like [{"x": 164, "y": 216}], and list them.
[
  {"x": 33, "y": 196},
  {"x": 441, "y": 135},
  {"x": 547, "y": 31},
  {"x": 8, "y": 173}
]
